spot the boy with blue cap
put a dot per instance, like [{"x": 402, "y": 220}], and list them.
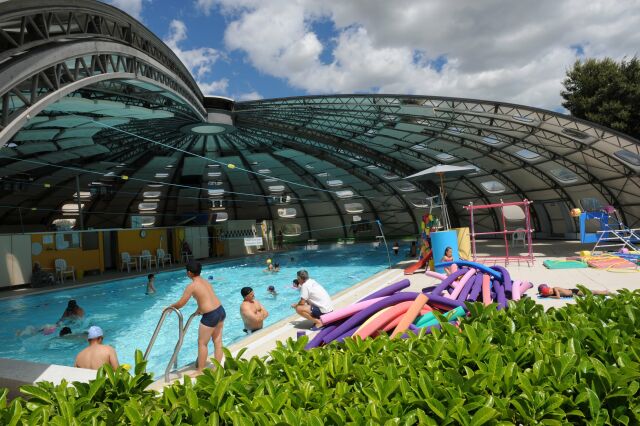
[{"x": 97, "y": 354}]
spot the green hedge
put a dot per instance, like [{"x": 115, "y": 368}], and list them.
[{"x": 574, "y": 365}]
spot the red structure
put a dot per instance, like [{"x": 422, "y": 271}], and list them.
[{"x": 504, "y": 232}]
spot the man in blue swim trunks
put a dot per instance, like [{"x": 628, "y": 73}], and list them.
[{"x": 210, "y": 308}]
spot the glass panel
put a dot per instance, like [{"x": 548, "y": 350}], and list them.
[
  {"x": 493, "y": 187},
  {"x": 563, "y": 175},
  {"x": 287, "y": 212},
  {"x": 628, "y": 156},
  {"x": 527, "y": 155},
  {"x": 291, "y": 230},
  {"x": 147, "y": 206},
  {"x": 354, "y": 208}
]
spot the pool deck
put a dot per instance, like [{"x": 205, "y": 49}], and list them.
[{"x": 263, "y": 341}]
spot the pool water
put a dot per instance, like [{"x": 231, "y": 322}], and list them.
[{"x": 128, "y": 316}]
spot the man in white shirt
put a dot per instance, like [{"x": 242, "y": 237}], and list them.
[{"x": 314, "y": 299}]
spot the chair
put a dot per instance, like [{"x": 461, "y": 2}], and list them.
[
  {"x": 519, "y": 235},
  {"x": 62, "y": 269},
  {"x": 146, "y": 257},
  {"x": 185, "y": 256},
  {"x": 125, "y": 260},
  {"x": 161, "y": 256}
]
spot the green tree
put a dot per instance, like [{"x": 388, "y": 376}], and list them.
[{"x": 605, "y": 92}]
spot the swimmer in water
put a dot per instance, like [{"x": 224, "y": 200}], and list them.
[{"x": 272, "y": 291}]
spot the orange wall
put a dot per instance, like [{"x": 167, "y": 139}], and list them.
[
  {"x": 133, "y": 243},
  {"x": 81, "y": 260}
]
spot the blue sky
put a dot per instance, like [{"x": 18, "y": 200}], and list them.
[{"x": 495, "y": 50}]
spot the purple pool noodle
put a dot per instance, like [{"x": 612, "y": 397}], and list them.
[
  {"x": 347, "y": 334},
  {"x": 506, "y": 279},
  {"x": 462, "y": 296},
  {"x": 500, "y": 296},
  {"x": 450, "y": 279},
  {"x": 361, "y": 316},
  {"x": 440, "y": 300},
  {"x": 317, "y": 339},
  {"x": 477, "y": 287},
  {"x": 389, "y": 290},
  {"x": 413, "y": 327},
  {"x": 429, "y": 289}
]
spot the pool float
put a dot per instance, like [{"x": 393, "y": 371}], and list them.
[
  {"x": 410, "y": 314},
  {"x": 448, "y": 281},
  {"x": 435, "y": 274},
  {"x": 434, "y": 299},
  {"x": 391, "y": 325},
  {"x": 361, "y": 316},
  {"x": 389, "y": 290},
  {"x": 526, "y": 285},
  {"x": 317, "y": 339},
  {"x": 515, "y": 290},
  {"x": 469, "y": 286},
  {"x": 486, "y": 290},
  {"x": 338, "y": 314},
  {"x": 474, "y": 294},
  {"x": 457, "y": 287},
  {"x": 382, "y": 318},
  {"x": 430, "y": 319},
  {"x": 343, "y": 336},
  {"x": 469, "y": 264},
  {"x": 506, "y": 277},
  {"x": 500, "y": 294}
]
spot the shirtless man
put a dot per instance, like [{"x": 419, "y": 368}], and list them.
[
  {"x": 210, "y": 308},
  {"x": 97, "y": 354},
  {"x": 72, "y": 312},
  {"x": 252, "y": 312}
]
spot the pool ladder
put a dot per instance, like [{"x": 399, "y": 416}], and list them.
[{"x": 181, "y": 332}]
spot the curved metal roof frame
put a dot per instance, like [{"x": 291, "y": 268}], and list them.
[{"x": 89, "y": 96}]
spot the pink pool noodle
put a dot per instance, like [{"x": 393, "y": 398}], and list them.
[
  {"x": 388, "y": 290},
  {"x": 410, "y": 314},
  {"x": 515, "y": 290},
  {"x": 486, "y": 290},
  {"x": 338, "y": 314},
  {"x": 526, "y": 285},
  {"x": 447, "y": 281},
  {"x": 460, "y": 284},
  {"x": 434, "y": 274}
]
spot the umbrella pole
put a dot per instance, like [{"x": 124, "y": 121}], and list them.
[{"x": 443, "y": 203}]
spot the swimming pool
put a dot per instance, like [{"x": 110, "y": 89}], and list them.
[{"x": 128, "y": 316}]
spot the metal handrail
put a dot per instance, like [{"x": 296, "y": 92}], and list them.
[
  {"x": 165, "y": 312},
  {"x": 176, "y": 350}
]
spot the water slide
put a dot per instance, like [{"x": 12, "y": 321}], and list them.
[{"x": 419, "y": 264}]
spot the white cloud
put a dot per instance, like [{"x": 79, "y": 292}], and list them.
[
  {"x": 205, "y": 6},
  {"x": 132, "y": 7},
  {"x": 214, "y": 88},
  {"x": 494, "y": 49},
  {"x": 198, "y": 60},
  {"x": 251, "y": 96}
]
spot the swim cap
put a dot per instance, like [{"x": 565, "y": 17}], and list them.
[
  {"x": 245, "y": 291},
  {"x": 94, "y": 332},
  {"x": 271, "y": 288},
  {"x": 544, "y": 289},
  {"x": 65, "y": 331}
]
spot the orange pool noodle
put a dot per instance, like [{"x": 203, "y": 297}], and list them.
[
  {"x": 411, "y": 314},
  {"x": 382, "y": 319}
]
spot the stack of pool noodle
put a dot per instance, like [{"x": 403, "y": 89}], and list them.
[{"x": 402, "y": 312}]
